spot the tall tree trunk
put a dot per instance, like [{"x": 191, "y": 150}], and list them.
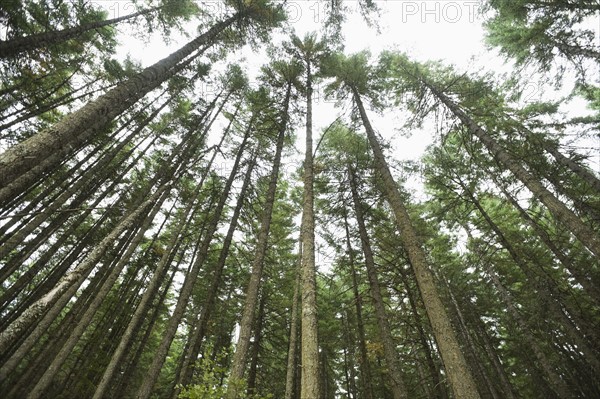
[
  {"x": 252, "y": 373},
  {"x": 438, "y": 385},
  {"x": 585, "y": 279},
  {"x": 241, "y": 348},
  {"x": 310, "y": 340},
  {"x": 584, "y": 233},
  {"x": 11, "y": 48},
  {"x": 556, "y": 383},
  {"x": 385, "y": 333},
  {"x": 545, "y": 293},
  {"x": 76, "y": 276},
  {"x": 460, "y": 377},
  {"x": 147, "y": 297},
  {"x": 79, "y": 126}
]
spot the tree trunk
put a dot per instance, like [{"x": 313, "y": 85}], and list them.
[
  {"x": 11, "y": 48},
  {"x": 365, "y": 368},
  {"x": 292, "y": 364},
  {"x": 385, "y": 333},
  {"x": 256, "y": 346},
  {"x": 241, "y": 348},
  {"x": 581, "y": 276},
  {"x": 585, "y": 234},
  {"x": 79, "y": 126},
  {"x": 146, "y": 299},
  {"x": 85, "y": 319},
  {"x": 75, "y": 277},
  {"x": 461, "y": 380},
  {"x": 190, "y": 280},
  {"x": 187, "y": 366},
  {"x": 310, "y": 340}
]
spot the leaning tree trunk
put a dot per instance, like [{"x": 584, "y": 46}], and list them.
[
  {"x": 78, "y": 127},
  {"x": 385, "y": 333},
  {"x": 459, "y": 375},
  {"x": 184, "y": 376},
  {"x": 146, "y": 299},
  {"x": 241, "y": 349},
  {"x": 584, "y": 233},
  {"x": 37, "y": 309},
  {"x": 589, "y": 284},
  {"x": 11, "y": 48},
  {"x": 85, "y": 319}
]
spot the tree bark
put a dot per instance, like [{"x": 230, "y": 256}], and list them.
[
  {"x": 310, "y": 340},
  {"x": 460, "y": 377},
  {"x": 79, "y": 126}
]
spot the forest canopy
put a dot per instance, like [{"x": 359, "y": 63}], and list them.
[{"x": 237, "y": 216}]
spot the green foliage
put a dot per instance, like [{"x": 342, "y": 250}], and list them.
[{"x": 212, "y": 374}]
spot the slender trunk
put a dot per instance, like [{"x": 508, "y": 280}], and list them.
[
  {"x": 544, "y": 292},
  {"x": 73, "y": 278},
  {"x": 11, "y": 48},
  {"x": 365, "y": 368},
  {"x": 79, "y": 126},
  {"x": 460, "y": 377},
  {"x": 292, "y": 364},
  {"x": 190, "y": 280},
  {"x": 385, "y": 333},
  {"x": 581, "y": 276},
  {"x": 584, "y": 233},
  {"x": 310, "y": 339},
  {"x": 241, "y": 349},
  {"x": 132, "y": 366},
  {"x": 438, "y": 385},
  {"x": 581, "y": 171},
  {"x": 557, "y": 384},
  {"x": 94, "y": 305},
  {"x": 187, "y": 367},
  {"x": 256, "y": 346},
  {"x": 146, "y": 299}
]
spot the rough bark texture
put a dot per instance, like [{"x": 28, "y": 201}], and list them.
[
  {"x": 309, "y": 341},
  {"x": 460, "y": 377},
  {"x": 77, "y": 127}
]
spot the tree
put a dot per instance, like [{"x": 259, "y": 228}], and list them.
[
  {"x": 79, "y": 127},
  {"x": 353, "y": 75}
]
